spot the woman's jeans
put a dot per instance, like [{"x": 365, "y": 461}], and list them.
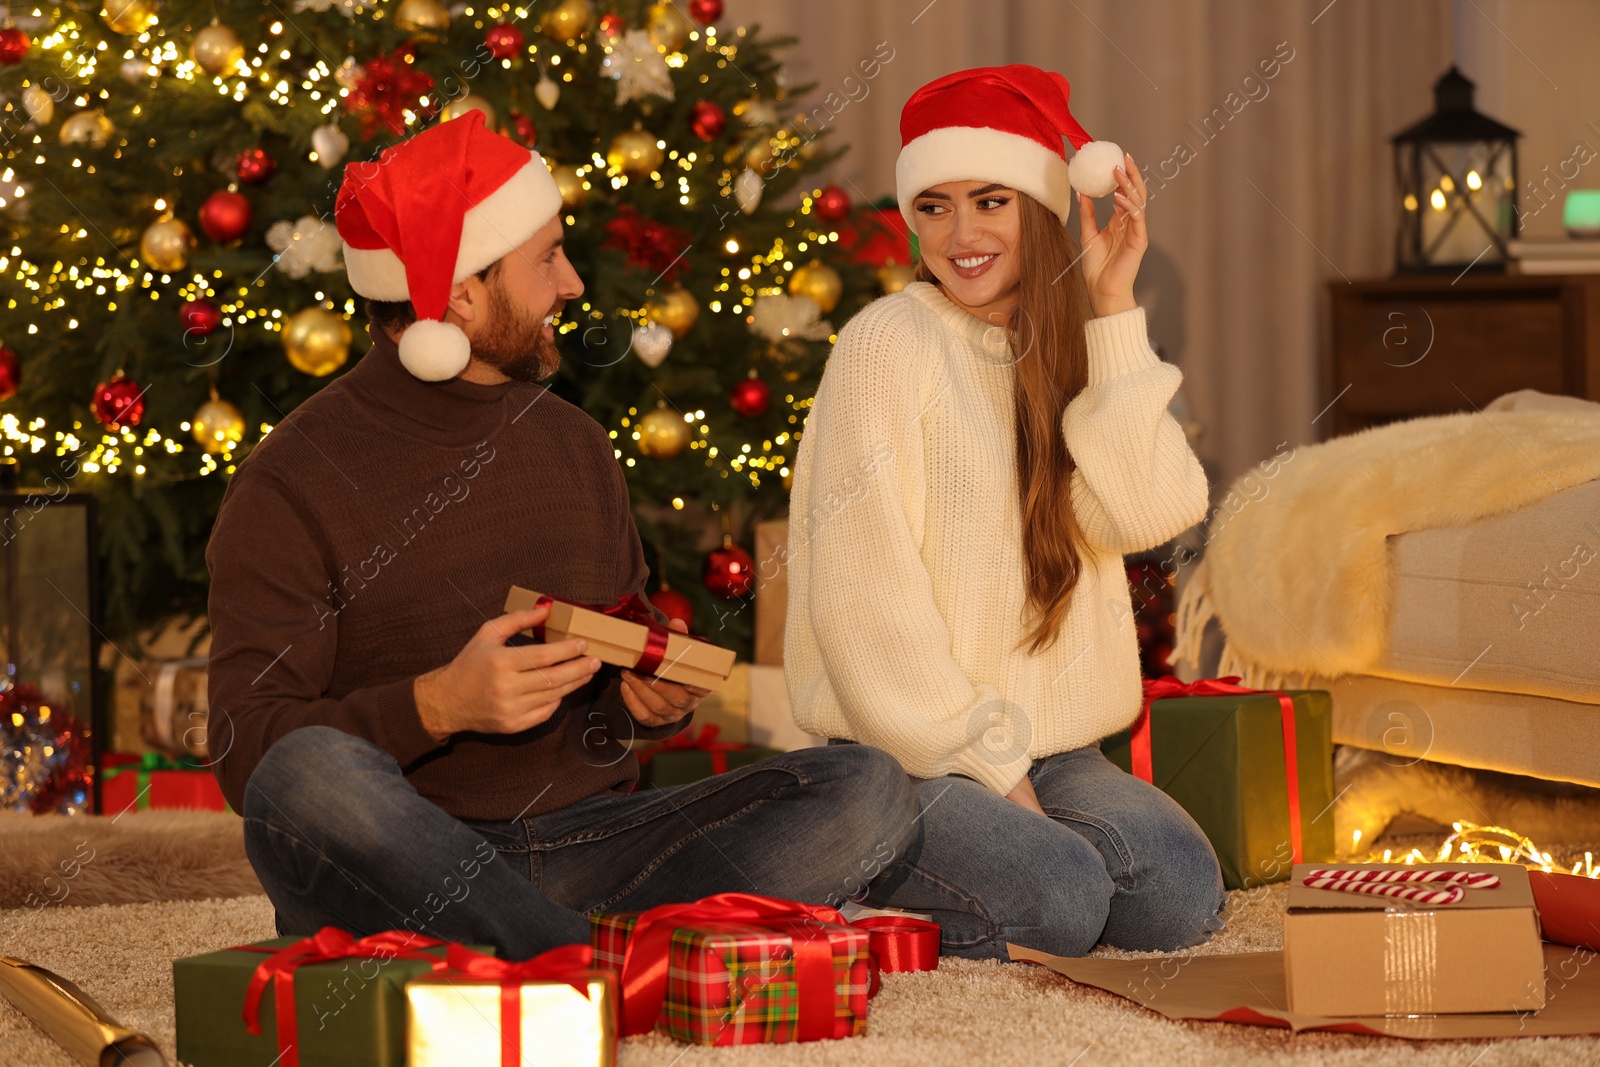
[
  {"x": 1117, "y": 861},
  {"x": 339, "y": 837}
]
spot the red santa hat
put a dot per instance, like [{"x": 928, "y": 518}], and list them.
[
  {"x": 430, "y": 211},
  {"x": 1000, "y": 124}
]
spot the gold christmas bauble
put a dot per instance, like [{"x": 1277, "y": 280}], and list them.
[
  {"x": 425, "y": 19},
  {"x": 40, "y": 105},
  {"x": 90, "y": 128},
  {"x": 217, "y": 425},
  {"x": 675, "y": 308},
  {"x": 758, "y": 156},
  {"x": 820, "y": 282},
  {"x": 129, "y": 17},
  {"x": 165, "y": 245},
  {"x": 471, "y": 102},
  {"x": 317, "y": 341},
  {"x": 567, "y": 20},
  {"x": 896, "y": 276},
  {"x": 663, "y": 433},
  {"x": 635, "y": 153},
  {"x": 668, "y": 25},
  {"x": 217, "y": 49},
  {"x": 573, "y": 186}
]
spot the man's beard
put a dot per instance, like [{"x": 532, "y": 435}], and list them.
[{"x": 515, "y": 343}]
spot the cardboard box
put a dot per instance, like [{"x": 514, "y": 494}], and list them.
[
  {"x": 175, "y": 708},
  {"x": 772, "y": 589},
  {"x": 620, "y": 642},
  {"x": 771, "y": 717},
  {"x": 1353, "y": 954}
]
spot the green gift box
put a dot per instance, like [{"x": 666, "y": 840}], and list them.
[
  {"x": 691, "y": 756},
  {"x": 350, "y": 1011},
  {"x": 1222, "y": 758}
]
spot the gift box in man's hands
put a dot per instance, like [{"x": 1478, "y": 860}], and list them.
[{"x": 627, "y": 635}]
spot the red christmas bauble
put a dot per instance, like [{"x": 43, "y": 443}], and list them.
[
  {"x": 225, "y": 216},
  {"x": 525, "y": 128},
  {"x": 833, "y": 204},
  {"x": 118, "y": 402},
  {"x": 611, "y": 24},
  {"x": 751, "y": 397},
  {"x": 730, "y": 572},
  {"x": 10, "y": 373},
  {"x": 674, "y": 605},
  {"x": 708, "y": 120},
  {"x": 504, "y": 41},
  {"x": 199, "y": 316},
  {"x": 13, "y": 46},
  {"x": 255, "y": 166},
  {"x": 705, "y": 12}
]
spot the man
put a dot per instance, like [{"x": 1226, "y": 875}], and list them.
[{"x": 398, "y": 764}]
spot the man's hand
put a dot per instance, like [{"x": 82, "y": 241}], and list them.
[
  {"x": 1024, "y": 797},
  {"x": 492, "y": 689},
  {"x": 656, "y": 701}
]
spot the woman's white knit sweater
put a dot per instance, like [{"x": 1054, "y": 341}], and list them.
[{"x": 907, "y": 606}]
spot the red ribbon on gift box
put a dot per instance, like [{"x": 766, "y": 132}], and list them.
[
  {"x": 630, "y": 608},
  {"x": 705, "y": 740},
  {"x": 644, "y": 963},
  {"x": 570, "y": 964},
  {"x": 1170, "y": 686},
  {"x": 325, "y": 945}
]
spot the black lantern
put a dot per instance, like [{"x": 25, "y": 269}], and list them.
[
  {"x": 50, "y": 639},
  {"x": 1457, "y": 171}
]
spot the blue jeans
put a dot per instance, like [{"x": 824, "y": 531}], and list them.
[
  {"x": 339, "y": 838},
  {"x": 1117, "y": 861}
]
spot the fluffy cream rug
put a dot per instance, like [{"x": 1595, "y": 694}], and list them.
[
  {"x": 124, "y": 859},
  {"x": 1297, "y": 570},
  {"x": 962, "y": 1015}
]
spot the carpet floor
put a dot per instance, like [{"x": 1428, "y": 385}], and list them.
[{"x": 964, "y": 1014}]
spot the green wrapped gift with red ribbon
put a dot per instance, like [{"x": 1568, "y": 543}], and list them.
[
  {"x": 152, "y": 780},
  {"x": 693, "y": 755},
  {"x": 737, "y": 968},
  {"x": 1254, "y": 768},
  {"x": 330, "y": 1000}
]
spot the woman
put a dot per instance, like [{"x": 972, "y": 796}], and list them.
[{"x": 983, "y": 448}]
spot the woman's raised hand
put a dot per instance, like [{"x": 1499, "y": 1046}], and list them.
[{"x": 1111, "y": 255}]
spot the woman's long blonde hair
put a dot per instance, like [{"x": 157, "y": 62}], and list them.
[{"x": 1052, "y": 365}]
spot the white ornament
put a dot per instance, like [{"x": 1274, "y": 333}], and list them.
[
  {"x": 305, "y": 245},
  {"x": 134, "y": 71},
  {"x": 38, "y": 104},
  {"x": 547, "y": 92},
  {"x": 349, "y": 73},
  {"x": 651, "y": 343},
  {"x": 758, "y": 112},
  {"x": 781, "y": 317},
  {"x": 747, "y": 189},
  {"x": 1092, "y": 169},
  {"x": 330, "y": 144},
  {"x": 639, "y": 67}
]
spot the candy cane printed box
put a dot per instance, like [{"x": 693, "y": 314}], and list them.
[{"x": 1396, "y": 939}]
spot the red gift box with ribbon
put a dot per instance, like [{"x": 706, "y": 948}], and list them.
[
  {"x": 626, "y": 634},
  {"x": 1254, "y": 768},
  {"x": 152, "y": 780},
  {"x": 736, "y": 968}
]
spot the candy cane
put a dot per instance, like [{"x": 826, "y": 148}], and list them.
[
  {"x": 1470, "y": 880},
  {"x": 1422, "y": 894}
]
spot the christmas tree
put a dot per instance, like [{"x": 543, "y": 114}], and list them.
[{"x": 173, "y": 286}]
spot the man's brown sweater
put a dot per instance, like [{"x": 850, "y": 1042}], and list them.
[{"x": 363, "y": 542}]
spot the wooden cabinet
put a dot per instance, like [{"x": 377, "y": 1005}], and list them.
[{"x": 1408, "y": 346}]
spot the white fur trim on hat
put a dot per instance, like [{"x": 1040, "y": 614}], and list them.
[
  {"x": 1093, "y": 168},
  {"x": 501, "y": 222},
  {"x": 972, "y": 153},
  {"x": 434, "y": 350}
]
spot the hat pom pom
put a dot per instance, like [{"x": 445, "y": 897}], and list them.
[
  {"x": 1092, "y": 170},
  {"x": 434, "y": 350}
]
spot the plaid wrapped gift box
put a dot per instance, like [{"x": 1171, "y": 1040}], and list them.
[{"x": 739, "y": 983}]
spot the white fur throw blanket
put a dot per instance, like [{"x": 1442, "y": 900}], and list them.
[{"x": 1299, "y": 577}]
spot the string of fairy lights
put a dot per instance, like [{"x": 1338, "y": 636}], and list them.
[
  {"x": 1470, "y": 842},
  {"x": 80, "y": 52}
]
